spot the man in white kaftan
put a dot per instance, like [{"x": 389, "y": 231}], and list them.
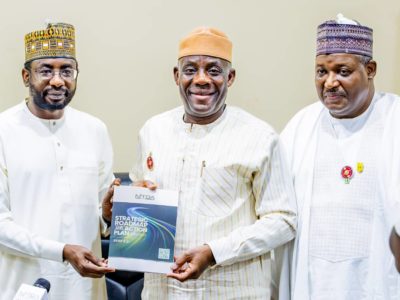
[
  {"x": 344, "y": 158},
  {"x": 235, "y": 196},
  {"x": 55, "y": 167}
]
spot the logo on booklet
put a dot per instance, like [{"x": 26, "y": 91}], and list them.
[{"x": 144, "y": 197}]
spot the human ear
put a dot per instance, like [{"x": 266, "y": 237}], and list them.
[
  {"x": 25, "y": 77},
  {"x": 176, "y": 75},
  {"x": 231, "y": 77},
  {"x": 371, "y": 69}
]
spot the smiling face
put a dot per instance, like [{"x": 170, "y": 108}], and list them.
[
  {"x": 52, "y": 85},
  {"x": 344, "y": 84},
  {"x": 203, "y": 84}
]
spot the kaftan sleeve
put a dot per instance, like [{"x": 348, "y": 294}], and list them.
[
  {"x": 106, "y": 175},
  {"x": 275, "y": 207},
  {"x": 15, "y": 239}
]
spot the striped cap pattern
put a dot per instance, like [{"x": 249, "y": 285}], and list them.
[{"x": 344, "y": 38}]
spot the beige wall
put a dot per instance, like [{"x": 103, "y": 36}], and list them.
[{"x": 127, "y": 48}]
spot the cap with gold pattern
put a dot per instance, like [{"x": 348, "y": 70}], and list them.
[
  {"x": 57, "y": 40},
  {"x": 206, "y": 41}
]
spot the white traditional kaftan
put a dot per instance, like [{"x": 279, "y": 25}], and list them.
[
  {"x": 235, "y": 195},
  {"x": 53, "y": 173},
  {"x": 341, "y": 250}
]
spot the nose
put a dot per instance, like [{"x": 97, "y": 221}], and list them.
[
  {"x": 331, "y": 81},
  {"x": 57, "y": 80},
  {"x": 201, "y": 78}
]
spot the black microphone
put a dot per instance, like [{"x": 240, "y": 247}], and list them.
[
  {"x": 38, "y": 291},
  {"x": 43, "y": 283}
]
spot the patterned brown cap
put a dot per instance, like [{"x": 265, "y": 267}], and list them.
[{"x": 57, "y": 40}]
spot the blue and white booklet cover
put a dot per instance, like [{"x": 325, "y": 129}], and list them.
[{"x": 143, "y": 229}]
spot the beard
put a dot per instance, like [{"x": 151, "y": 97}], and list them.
[{"x": 39, "y": 98}]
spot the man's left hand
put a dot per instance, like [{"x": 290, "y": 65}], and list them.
[
  {"x": 107, "y": 203},
  {"x": 192, "y": 263}
]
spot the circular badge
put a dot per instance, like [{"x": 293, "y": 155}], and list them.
[{"x": 347, "y": 173}]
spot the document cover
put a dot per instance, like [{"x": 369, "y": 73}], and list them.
[{"x": 143, "y": 229}]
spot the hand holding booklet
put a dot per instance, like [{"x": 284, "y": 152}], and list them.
[{"x": 143, "y": 229}]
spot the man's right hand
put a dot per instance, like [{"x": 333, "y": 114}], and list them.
[
  {"x": 146, "y": 184},
  {"x": 85, "y": 262}
]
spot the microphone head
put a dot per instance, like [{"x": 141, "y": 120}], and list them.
[{"x": 42, "y": 283}]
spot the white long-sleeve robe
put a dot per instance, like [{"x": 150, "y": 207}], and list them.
[
  {"x": 300, "y": 139},
  {"x": 53, "y": 173},
  {"x": 235, "y": 195}
]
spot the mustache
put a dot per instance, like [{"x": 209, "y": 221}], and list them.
[
  {"x": 334, "y": 92},
  {"x": 51, "y": 90}
]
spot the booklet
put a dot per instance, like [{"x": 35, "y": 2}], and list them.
[{"x": 143, "y": 229}]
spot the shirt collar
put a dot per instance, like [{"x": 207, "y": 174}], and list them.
[
  {"x": 52, "y": 124},
  {"x": 191, "y": 127}
]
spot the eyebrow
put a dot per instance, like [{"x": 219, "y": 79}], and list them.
[
  {"x": 189, "y": 63},
  {"x": 208, "y": 65},
  {"x": 64, "y": 66}
]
